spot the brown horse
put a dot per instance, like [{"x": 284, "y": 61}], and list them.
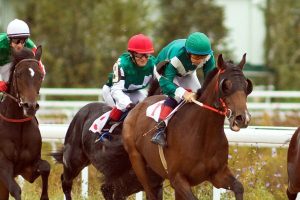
[
  {"x": 80, "y": 150},
  {"x": 20, "y": 138},
  {"x": 293, "y": 166},
  {"x": 197, "y": 145}
]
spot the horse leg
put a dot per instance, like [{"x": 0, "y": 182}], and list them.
[
  {"x": 291, "y": 196},
  {"x": 182, "y": 187},
  {"x": 40, "y": 168},
  {"x": 107, "y": 191},
  {"x": 44, "y": 170},
  {"x": 8, "y": 181},
  {"x": 225, "y": 179},
  {"x": 139, "y": 166},
  {"x": 4, "y": 194}
]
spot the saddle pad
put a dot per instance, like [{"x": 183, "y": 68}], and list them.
[
  {"x": 99, "y": 123},
  {"x": 153, "y": 111}
]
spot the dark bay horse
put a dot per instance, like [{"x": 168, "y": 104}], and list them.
[
  {"x": 197, "y": 145},
  {"x": 20, "y": 138},
  {"x": 293, "y": 166},
  {"x": 80, "y": 150}
]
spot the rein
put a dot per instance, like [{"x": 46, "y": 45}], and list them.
[{"x": 227, "y": 112}]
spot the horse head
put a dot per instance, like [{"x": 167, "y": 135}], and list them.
[
  {"x": 26, "y": 79},
  {"x": 234, "y": 88}
]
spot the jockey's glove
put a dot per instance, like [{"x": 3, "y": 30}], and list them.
[{"x": 189, "y": 96}]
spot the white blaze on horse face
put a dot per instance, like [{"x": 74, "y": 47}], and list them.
[{"x": 31, "y": 72}]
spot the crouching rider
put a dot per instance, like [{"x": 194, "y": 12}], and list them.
[
  {"x": 131, "y": 73},
  {"x": 179, "y": 80},
  {"x": 15, "y": 39}
]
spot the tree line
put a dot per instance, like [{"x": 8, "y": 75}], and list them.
[{"x": 83, "y": 39}]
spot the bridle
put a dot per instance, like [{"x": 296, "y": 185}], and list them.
[
  {"x": 223, "y": 108},
  {"x": 17, "y": 98}
]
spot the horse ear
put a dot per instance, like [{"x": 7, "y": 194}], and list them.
[
  {"x": 38, "y": 52},
  {"x": 220, "y": 62},
  {"x": 243, "y": 61}
]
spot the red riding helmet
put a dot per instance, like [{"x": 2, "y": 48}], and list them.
[{"x": 140, "y": 44}]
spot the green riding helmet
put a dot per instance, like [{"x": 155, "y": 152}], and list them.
[{"x": 198, "y": 43}]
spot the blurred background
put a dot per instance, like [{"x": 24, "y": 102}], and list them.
[{"x": 82, "y": 39}]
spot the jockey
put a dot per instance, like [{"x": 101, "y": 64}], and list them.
[
  {"x": 16, "y": 37},
  {"x": 131, "y": 73},
  {"x": 179, "y": 79}
]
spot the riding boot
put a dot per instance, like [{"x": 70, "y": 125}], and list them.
[
  {"x": 160, "y": 135},
  {"x": 114, "y": 117}
]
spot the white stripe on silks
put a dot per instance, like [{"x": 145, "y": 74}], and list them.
[{"x": 178, "y": 65}]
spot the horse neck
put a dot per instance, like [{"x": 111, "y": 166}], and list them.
[
  {"x": 210, "y": 94},
  {"x": 210, "y": 97}
]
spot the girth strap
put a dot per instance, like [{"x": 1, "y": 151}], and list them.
[{"x": 162, "y": 158}]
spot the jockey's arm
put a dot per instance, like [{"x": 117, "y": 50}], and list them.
[
  {"x": 168, "y": 86},
  {"x": 122, "y": 100}
]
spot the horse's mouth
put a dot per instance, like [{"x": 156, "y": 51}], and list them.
[
  {"x": 238, "y": 122},
  {"x": 30, "y": 111},
  {"x": 234, "y": 126}
]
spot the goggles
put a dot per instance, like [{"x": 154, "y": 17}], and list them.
[
  {"x": 140, "y": 56},
  {"x": 198, "y": 57},
  {"x": 18, "y": 40}
]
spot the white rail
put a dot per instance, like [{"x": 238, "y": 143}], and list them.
[
  {"x": 262, "y": 136},
  {"x": 258, "y": 100}
]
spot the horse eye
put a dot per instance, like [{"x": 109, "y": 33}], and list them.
[{"x": 225, "y": 86}]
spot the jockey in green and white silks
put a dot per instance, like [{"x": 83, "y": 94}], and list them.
[
  {"x": 15, "y": 39},
  {"x": 127, "y": 81},
  {"x": 179, "y": 80},
  {"x": 131, "y": 73}
]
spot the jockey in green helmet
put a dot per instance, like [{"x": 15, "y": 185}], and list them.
[{"x": 179, "y": 80}]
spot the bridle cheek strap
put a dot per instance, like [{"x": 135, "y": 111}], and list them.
[{"x": 224, "y": 109}]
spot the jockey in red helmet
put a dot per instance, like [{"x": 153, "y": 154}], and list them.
[{"x": 132, "y": 72}]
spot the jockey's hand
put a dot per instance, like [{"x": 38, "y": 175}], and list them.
[
  {"x": 189, "y": 96},
  {"x": 3, "y": 86},
  {"x": 130, "y": 106}
]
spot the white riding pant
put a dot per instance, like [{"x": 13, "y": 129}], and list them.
[
  {"x": 5, "y": 72},
  {"x": 120, "y": 101}
]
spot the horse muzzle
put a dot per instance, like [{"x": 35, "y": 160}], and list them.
[
  {"x": 29, "y": 109},
  {"x": 238, "y": 121}
]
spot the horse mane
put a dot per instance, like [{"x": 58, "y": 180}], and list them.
[
  {"x": 207, "y": 80},
  {"x": 153, "y": 88},
  {"x": 25, "y": 53}
]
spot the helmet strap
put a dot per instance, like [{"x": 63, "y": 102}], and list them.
[{"x": 132, "y": 57}]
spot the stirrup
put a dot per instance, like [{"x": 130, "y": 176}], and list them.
[
  {"x": 160, "y": 139},
  {"x": 105, "y": 136}
]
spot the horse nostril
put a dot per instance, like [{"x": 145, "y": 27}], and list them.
[
  {"x": 37, "y": 106},
  {"x": 25, "y": 105},
  {"x": 240, "y": 119}
]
